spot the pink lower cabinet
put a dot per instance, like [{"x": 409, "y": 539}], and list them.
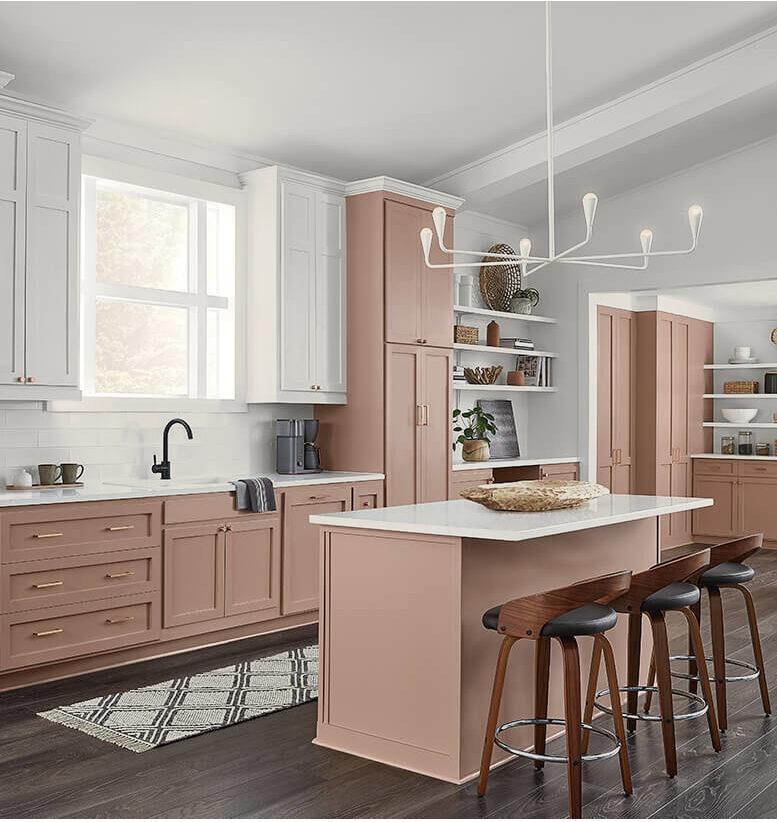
[
  {"x": 221, "y": 569},
  {"x": 722, "y": 519},
  {"x": 461, "y": 480},
  {"x": 301, "y": 541},
  {"x": 759, "y": 507},
  {"x": 368, "y": 495}
]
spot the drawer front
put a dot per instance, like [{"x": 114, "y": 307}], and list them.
[
  {"x": 46, "y": 583},
  {"x": 47, "y": 532},
  {"x": 367, "y": 495},
  {"x": 461, "y": 480},
  {"x": 51, "y": 634},
  {"x": 560, "y": 471},
  {"x": 205, "y": 507},
  {"x": 756, "y": 468},
  {"x": 715, "y": 468}
]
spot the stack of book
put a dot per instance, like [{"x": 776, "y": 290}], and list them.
[
  {"x": 536, "y": 370},
  {"x": 458, "y": 373},
  {"x": 517, "y": 343}
]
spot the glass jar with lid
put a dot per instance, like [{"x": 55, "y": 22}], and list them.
[
  {"x": 746, "y": 443},
  {"x": 727, "y": 445}
]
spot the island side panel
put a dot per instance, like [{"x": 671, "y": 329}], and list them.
[
  {"x": 494, "y": 572},
  {"x": 390, "y": 634}
]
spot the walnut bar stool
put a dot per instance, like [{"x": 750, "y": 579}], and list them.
[
  {"x": 725, "y": 570},
  {"x": 561, "y": 614},
  {"x": 653, "y": 592}
]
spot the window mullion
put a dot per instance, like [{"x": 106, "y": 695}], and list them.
[
  {"x": 201, "y": 274},
  {"x": 88, "y": 284}
]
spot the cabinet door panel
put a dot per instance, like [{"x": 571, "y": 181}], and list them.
[
  {"x": 722, "y": 519},
  {"x": 604, "y": 441},
  {"x": 13, "y": 161},
  {"x": 301, "y": 542},
  {"x": 680, "y": 348},
  {"x": 253, "y": 567},
  {"x": 403, "y": 399},
  {"x": 402, "y": 273},
  {"x": 194, "y": 574},
  {"x": 436, "y": 288},
  {"x": 436, "y": 432},
  {"x": 758, "y": 499},
  {"x": 330, "y": 297},
  {"x": 51, "y": 332},
  {"x": 298, "y": 290}
]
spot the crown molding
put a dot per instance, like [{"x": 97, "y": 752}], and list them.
[
  {"x": 395, "y": 186},
  {"x": 41, "y": 112}
]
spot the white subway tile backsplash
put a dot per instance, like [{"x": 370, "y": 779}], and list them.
[{"x": 18, "y": 439}]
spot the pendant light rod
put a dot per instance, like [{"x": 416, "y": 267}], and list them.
[{"x": 549, "y": 137}]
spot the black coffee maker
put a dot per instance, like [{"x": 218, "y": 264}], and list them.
[{"x": 297, "y": 452}]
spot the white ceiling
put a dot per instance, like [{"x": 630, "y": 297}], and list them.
[{"x": 408, "y": 89}]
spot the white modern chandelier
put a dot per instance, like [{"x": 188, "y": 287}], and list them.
[{"x": 590, "y": 201}]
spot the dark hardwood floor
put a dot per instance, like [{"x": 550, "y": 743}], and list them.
[{"x": 269, "y": 768}]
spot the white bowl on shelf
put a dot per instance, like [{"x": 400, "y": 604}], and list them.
[{"x": 740, "y": 416}]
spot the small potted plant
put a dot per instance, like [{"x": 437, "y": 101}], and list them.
[
  {"x": 524, "y": 300},
  {"x": 473, "y": 427}
]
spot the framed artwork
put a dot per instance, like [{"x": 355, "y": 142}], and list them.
[{"x": 504, "y": 444}]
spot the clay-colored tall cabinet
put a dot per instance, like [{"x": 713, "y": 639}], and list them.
[{"x": 400, "y": 338}]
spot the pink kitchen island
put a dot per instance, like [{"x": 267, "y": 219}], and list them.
[{"x": 406, "y": 665}]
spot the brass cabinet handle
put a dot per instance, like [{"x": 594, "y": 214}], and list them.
[
  {"x": 48, "y": 536},
  {"x": 120, "y": 574},
  {"x": 222, "y": 529},
  {"x": 426, "y": 412},
  {"x": 312, "y": 497},
  {"x": 419, "y": 415},
  {"x": 21, "y": 379},
  {"x": 48, "y": 584},
  {"x": 121, "y": 527},
  {"x": 118, "y": 620},
  {"x": 49, "y": 633},
  {"x": 228, "y": 528},
  {"x": 30, "y": 379}
]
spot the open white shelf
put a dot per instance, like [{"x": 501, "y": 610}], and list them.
[
  {"x": 743, "y": 426},
  {"x": 740, "y": 396},
  {"x": 731, "y": 367},
  {"x": 502, "y": 315},
  {"x": 510, "y": 352},
  {"x": 532, "y": 389}
]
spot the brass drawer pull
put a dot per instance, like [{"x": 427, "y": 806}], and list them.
[
  {"x": 120, "y": 574},
  {"x": 320, "y": 496},
  {"x": 48, "y": 584},
  {"x": 48, "y": 536},
  {"x": 121, "y": 527},
  {"x": 119, "y": 619},
  {"x": 49, "y": 633}
]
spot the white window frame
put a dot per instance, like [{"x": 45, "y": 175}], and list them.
[{"x": 204, "y": 192}]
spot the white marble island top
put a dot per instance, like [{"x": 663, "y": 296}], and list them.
[{"x": 463, "y": 518}]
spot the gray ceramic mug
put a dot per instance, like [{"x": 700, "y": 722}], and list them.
[
  {"x": 71, "y": 472},
  {"x": 49, "y": 474}
]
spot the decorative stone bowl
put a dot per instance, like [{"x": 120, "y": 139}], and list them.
[{"x": 535, "y": 495}]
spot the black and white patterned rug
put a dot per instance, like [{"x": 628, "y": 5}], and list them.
[{"x": 155, "y": 715}]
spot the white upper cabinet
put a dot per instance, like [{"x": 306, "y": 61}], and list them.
[
  {"x": 296, "y": 288},
  {"x": 40, "y": 167}
]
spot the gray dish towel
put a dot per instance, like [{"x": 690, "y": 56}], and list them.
[{"x": 255, "y": 494}]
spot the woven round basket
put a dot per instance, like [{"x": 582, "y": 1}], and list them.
[
  {"x": 498, "y": 283},
  {"x": 535, "y": 495}
]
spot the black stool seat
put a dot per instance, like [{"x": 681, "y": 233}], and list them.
[
  {"x": 671, "y": 598},
  {"x": 584, "y": 621},
  {"x": 727, "y": 573}
]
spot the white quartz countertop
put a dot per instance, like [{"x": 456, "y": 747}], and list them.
[
  {"x": 729, "y": 457},
  {"x": 516, "y": 463},
  {"x": 137, "y": 489},
  {"x": 464, "y": 518}
]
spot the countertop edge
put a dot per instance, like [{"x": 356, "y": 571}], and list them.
[{"x": 508, "y": 463}]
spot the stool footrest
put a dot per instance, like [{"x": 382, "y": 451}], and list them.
[
  {"x": 704, "y": 707},
  {"x": 754, "y": 671},
  {"x": 548, "y": 757}
]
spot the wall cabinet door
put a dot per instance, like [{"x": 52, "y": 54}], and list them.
[
  {"x": 403, "y": 421},
  {"x": 722, "y": 519},
  {"x": 13, "y": 163},
  {"x": 51, "y": 284},
  {"x": 193, "y": 574},
  {"x": 419, "y": 300},
  {"x": 331, "y": 299},
  {"x": 435, "y": 432},
  {"x": 758, "y": 507},
  {"x": 252, "y": 575},
  {"x": 301, "y": 542}
]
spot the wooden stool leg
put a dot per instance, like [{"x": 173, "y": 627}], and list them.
[
  {"x": 704, "y": 676},
  {"x": 632, "y": 675},
  {"x": 664, "y": 680},
  {"x": 573, "y": 718},
  {"x": 718, "y": 653},
  {"x": 617, "y": 715},
  {"x": 593, "y": 680},
  {"x": 541, "y": 678},
  {"x": 692, "y": 667},
  {"x": 650, "y": 680},
  {"x": 493, "y": 713},
  {"x": 757, "y": 653}
]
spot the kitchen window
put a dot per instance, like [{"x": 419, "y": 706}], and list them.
[{"x": 158, "y": 293}]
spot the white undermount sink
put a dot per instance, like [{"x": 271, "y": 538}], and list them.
[{"x": 172, "y": 484}]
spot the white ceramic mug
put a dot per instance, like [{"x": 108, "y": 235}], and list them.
[{"x": 742, "y": 352}]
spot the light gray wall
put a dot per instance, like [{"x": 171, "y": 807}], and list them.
[{"x": 738, "y": 243}]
